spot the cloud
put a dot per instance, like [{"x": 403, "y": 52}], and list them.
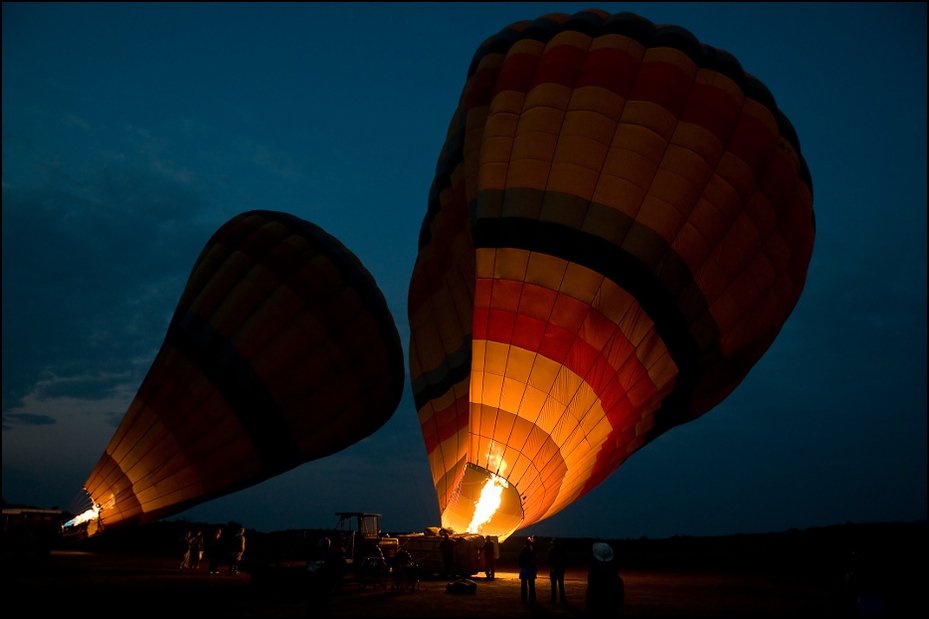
[
  {"x": 62, "y": 449},
  {"x": 99, "y": 237},
  {"x": 94, "y": 260},
  {"x": 25, "y": 419},
  {"x": 51, "y": 442}
]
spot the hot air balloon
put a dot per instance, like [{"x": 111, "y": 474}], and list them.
[
  {"x": 619, "y": 225},
  {"x": 281, "y": 350}
]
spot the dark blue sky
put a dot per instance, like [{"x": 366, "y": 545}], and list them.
[{"x": 132, "y": 132}]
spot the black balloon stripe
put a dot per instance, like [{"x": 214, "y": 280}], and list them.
[
  {"x": 244, "y": 392},
  {"x": 436, "y": 382},
  {"x": 626, "y": 271}
]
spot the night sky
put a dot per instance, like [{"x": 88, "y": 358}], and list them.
[{"x": 131, "y": 133}]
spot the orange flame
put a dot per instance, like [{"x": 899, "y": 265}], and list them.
[
  {"x": 90, "y": 514},
  {"x": 487, "y": 504}
]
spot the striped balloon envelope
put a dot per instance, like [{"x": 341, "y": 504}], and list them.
[
  {"x": 619, "y": 225},
  {"x": 281, "y": 350}
]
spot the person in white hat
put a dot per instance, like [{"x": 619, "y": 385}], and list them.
[
  {"x": 604, "y": 586},
  {"x": 602, "y": 552}
]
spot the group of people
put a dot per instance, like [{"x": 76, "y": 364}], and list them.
[
  {"x": 220, "y": 549},
  {"x": 605, "y": 592},
  {"x": 604, "y": 586}
]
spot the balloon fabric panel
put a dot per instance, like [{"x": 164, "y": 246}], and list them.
[{"x": 640, "y": 223}]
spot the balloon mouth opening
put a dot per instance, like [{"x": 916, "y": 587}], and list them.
[{"x": 484, "y": 503}]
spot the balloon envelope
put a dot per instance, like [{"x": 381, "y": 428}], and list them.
[
  {"x": 619, "y": 225},
  {"x": 281, "y": 350}
]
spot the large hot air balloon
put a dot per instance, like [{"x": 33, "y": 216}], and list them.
[
  {"x": 282, "y": 350},
  {"x": 619, "y": 225}
]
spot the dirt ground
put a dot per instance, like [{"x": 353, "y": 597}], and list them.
[{"x": 108, "y": 583}]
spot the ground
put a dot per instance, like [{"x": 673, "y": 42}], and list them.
[{"x": 121, "y": 584}]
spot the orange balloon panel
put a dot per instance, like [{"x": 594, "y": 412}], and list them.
[
  {"x": 619, "y": 225},
  {"x": 282, "y": 350}
]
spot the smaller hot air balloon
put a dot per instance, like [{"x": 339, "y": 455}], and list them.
[{"x": 281, "y": 350}]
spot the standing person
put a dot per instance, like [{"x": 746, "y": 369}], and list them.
[
  {"x": 405, "y": 571},
  {"x": 557, "y": 563},
  {"x": 605, "y": 592},
  {"x": 325, "y": 574},
  {"x": 215, "y": 550},
  {"x": 183, "y": 546},
  {"x": 448, "y": 553},
  {"x": 196, "y": 550},
  {"x": 527, "y": 571},
  {"x": 489, "y": 558},
  {"x": 238, "y": 549}
]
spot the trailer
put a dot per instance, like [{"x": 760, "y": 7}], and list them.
[
  {"x": 466, "y": 551},
  {"x": 28, "y": 530}
]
